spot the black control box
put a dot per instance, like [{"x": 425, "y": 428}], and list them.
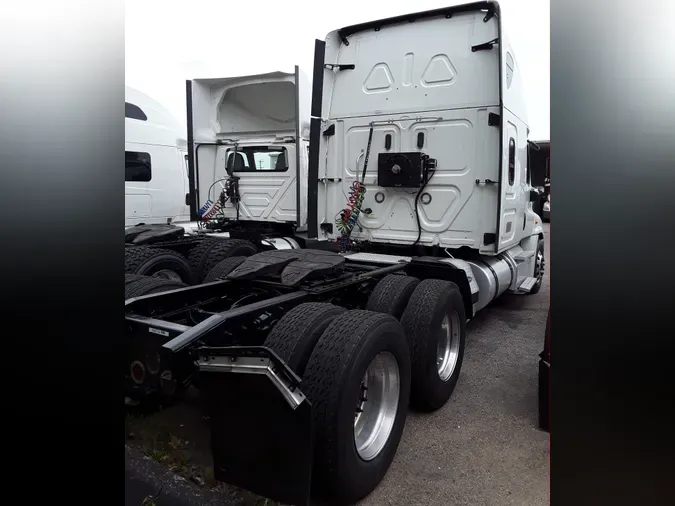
[{"x": 405, "y": 170}]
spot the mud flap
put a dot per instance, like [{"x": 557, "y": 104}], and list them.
[{"x": 261, "y": 422}]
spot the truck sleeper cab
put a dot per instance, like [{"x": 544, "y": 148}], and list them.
[{"x": 440, "y": 121}]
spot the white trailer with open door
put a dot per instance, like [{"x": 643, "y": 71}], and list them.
[
  {"x": 253, "y": 130},
  {"x": 241, "y": 177}
]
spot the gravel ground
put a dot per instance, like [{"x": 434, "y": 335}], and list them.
[{"x": 482, "y": 448}]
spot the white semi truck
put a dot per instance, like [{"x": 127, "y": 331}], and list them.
[
  {"x": 417, "y": 214},
  {"x": 155, "y": 154},
  {"x": 256, "y": 201}
]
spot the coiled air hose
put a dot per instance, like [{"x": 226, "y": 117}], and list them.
[{"x": 349, "y": 216}]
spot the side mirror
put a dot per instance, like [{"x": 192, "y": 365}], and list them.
[{"x": 534, "y": 196}]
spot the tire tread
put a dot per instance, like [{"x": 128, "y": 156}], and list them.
[
  {"x": 136, "y": 257},
  {"x": 226, "y": 248},
  {"x": 222, "y": 269},
  {"x": 290, "y": 338},
  {"x": 324, "y": 376},
  {"x": 417, "y": 321},
  {"x": 150, "y": 285},
  {"x": 391, "y": 294}
]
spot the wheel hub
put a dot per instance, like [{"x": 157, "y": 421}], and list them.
[
  {"x": 448, "y": 346},
  {"x": 377, "y": 406},
  {"x": 539, "y": 265}
]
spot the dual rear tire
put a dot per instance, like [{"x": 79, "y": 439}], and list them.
[
  {"x": 434, "y": 320},
  {"x": 355, "y": 369},
  {"x": 361, "y": 369},
  {"x": 137, "y": 286},
  {"x": 209, "y": 252},
  {"x": 168, "y": 264}
]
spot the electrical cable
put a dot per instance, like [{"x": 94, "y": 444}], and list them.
[
  {"x": 210, "y": 208},
  {"x": 426, "y": 178}
]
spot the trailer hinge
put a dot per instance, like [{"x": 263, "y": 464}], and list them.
[
  {"x": 485, "y": 46},
  {"x": 489, "y": 15},
  {"x": 487, "y": 181},
  {"x": 339, "y": 66},
  {"x": 329, "y": 131},
  {"x": 494, "y": 119},
  {"x": 330, "y": 180},
  {"x": 489, "y": 239}
]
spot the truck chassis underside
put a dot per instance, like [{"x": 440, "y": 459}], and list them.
[{"x": 260, "y": 418}]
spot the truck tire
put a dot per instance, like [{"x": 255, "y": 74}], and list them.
[
  {"x": 157, "y": 262},
  {"x": 347, "y": 468},
  {"x": 150, "y": 285},
  {"x": 196, "y": 255},
  {"x": 435, "y": 324},
  {"x": 540, "y": 264},
  {"x": 223, "y": 268},
  {"x": 209, "y": 252},
  {"x": 225, "y": 249},
  {"x": 391, "y": 294},
  {"x": 130, "y": 278},
  {"x": 294, "y": 336}
]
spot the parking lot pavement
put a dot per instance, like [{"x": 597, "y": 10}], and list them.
[{"x": 484, "y": 446}]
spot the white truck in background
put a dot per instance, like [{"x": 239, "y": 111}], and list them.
[
  {"x": 155, "y": 153},
  {"x": 247, "y": 149},
  {"x": 264, "y": 117}
]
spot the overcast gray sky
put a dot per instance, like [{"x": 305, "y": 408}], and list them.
[{"x": 169, "y": 41}]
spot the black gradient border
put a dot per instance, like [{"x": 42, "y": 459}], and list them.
[{"x": 612, "y": 303}]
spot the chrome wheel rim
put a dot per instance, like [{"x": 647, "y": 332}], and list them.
[
  {"x": 448, "y": 346},
  {"x": 377, "y": 406},
  {"x": 539, "y": 265}
]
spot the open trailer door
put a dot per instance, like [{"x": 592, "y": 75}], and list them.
[{"x": 249, "y": 128}]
